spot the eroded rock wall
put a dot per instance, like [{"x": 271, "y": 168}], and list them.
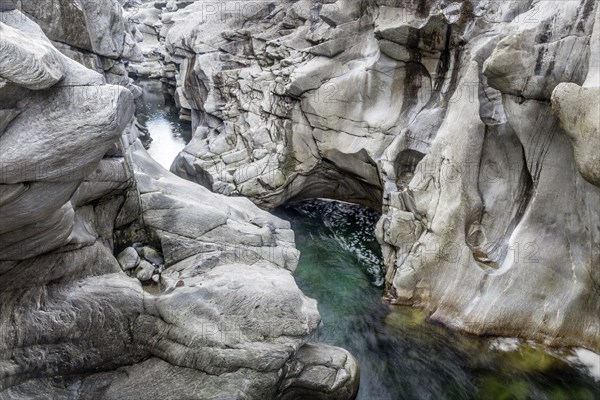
[
  {"x": 439, "y": 114},
  {"x": 95, "y": 33},
  {"x": 200, "y": 302}
]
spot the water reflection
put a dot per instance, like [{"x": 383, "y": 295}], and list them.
[
  {"x": 403, "y": 355},
  {"x": 156, "y": 111}
]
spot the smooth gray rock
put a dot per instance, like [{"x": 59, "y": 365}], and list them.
[
  {"x": 144, "y": 271},
  {"x": 27, "y": 203},
  {"x": 104, "y": 31},
  {"x": 128, "y": 259},
  {"x": 74, "y": 73},
  {"x": 578, "y": 110},
  {"x": 98, "y": 112},
  {"x": 145, "y": 380},
  {"x": 150, "y": 377},
  {"x": 440, "y": 116},
  {"x": 95, "y": 34},
  {"x": 31, "y": 65},
  {"x": 76, "y": 183},
  {"x": 319, "y": 371},
  {"x": 150, "y": 255}
]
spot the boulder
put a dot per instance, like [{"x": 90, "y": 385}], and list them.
[
  {"x": 128, "y": 259},
  {"x": 144, "y": 271}
]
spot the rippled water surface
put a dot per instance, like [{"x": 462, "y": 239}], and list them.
[
  {"x": 156, "y": 110},
  {"x": 401, "y": 354}
]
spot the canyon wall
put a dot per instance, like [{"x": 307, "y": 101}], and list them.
[
  {"x": 119, "y": 280},
  {"x": 471, "y": 125}
]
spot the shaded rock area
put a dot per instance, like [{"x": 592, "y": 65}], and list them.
[
  {"x": 472, "y": 125},
  {"x": 578, "y": 110},
  {"x": 119, "y": 280}
]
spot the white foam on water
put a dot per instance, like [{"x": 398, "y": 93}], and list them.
[
  {"x": 505, "y": 344},
  {"x": 165, "y": 144},
  {"x": 589, "y": 360},
  {"x": 338, "y": 217}
]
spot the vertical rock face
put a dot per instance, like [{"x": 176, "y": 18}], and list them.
[
  {"x": 578, "y": 110},
  {"x": 200, "y": 303},
  {"x": 95, "y": 33},
  {"x": 438, "y": 113}
]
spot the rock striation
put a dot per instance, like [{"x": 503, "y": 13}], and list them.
[
  {"x": 470, "y": 124},
  {"x": 119, "y": 280}
]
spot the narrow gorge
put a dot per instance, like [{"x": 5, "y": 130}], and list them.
[{"x": 299, "y": 199}]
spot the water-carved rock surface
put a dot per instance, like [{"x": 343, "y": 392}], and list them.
[
  {"x": 578, "y": 110},
  {"x": 119, "y": 279},
  {"x": 437, "y": 113},
  {"x": 471, "y": 125}
]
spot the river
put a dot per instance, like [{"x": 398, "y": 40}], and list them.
[
  {"x": 155, "y": 109},
  {"x": 402, "y": 355}
]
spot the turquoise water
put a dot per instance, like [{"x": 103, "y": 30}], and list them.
[{"x": 402, "y": 355}]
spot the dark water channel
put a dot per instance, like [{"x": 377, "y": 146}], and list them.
[{"x": 402, "y": 355}]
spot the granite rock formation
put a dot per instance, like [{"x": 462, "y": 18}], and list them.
[
  {"x": 95, "y": 33},
  {"x": 578, "y": 110},
  {"x": 119, "y": 280},
  {"x": 464, "y": 122}
]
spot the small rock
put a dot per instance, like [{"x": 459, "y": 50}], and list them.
[
  {"x": 259, "y": 154},
  {"x": 151, "y": 255},
  {"x": 155, "y": 278},
  {"x": 172, "y": 6},
  {"x": 167, "y": 284},
  {"x": 144, "y": 271},
  {"x": 135, "y": 90},
  {"x": 128, "y": 259}
]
